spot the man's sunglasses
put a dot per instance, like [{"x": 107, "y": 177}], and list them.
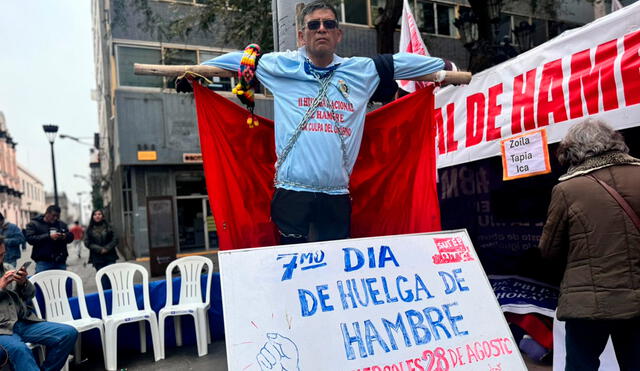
[{"x": 329, "y": 24}]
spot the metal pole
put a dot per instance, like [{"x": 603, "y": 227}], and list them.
[
  {"x": 284, "y": 15},
  {"x": 80, "y": 207},
  {"x": 55, "y": 182}
]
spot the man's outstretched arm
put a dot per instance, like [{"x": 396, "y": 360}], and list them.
[
  {"x": 409, "y": 66},
  {"x": 229, "y": 61}
]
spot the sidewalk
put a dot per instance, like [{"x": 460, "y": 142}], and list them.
[{"x": 177, "y": 359}]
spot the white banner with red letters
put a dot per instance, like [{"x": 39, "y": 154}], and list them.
[{"x": 592, "y": 71}]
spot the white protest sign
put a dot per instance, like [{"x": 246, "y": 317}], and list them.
[
  {"x": 525, "y": 155},
  {"x": 396, "y": 303}
]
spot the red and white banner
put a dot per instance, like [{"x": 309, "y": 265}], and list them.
[
  {"x": 592, "y": 71},
  {"x": 411, "y": 42}
]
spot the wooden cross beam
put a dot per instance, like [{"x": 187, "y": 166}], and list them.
[{"x": 451, "y": 77}]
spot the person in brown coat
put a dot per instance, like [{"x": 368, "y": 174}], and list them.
[{"x": 599, "y": 245}]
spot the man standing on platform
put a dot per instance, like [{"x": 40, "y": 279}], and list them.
[
  {"x": 49, "y": 237},
  {"x": 20, "y": 325},
  {"x": 13, "y": 238},
  {"x": 320, "y": 105}
]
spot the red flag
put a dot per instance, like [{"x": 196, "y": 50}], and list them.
[
  {"x": 411, "y": 42},
  {"x": 392, "y": 185}
]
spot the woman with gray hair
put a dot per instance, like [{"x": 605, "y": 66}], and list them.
[{"x": 598, "y": 242}]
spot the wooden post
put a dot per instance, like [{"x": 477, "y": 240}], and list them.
[
  {"x": 451, "y": 77},
  {"x": 177, "y": 70}
]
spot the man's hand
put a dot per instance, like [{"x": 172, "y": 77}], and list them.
[
  {"x": 6, "y": 279},
  {"x": 103, "y": 251},
  {"x": 56, "y": 236},
  {"x": 183, "y": 85},
  {"x": 20, "y": 276}
]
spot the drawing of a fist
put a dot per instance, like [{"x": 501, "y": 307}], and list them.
[{"x": 278, "y": 353}]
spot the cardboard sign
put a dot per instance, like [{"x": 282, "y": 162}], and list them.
[
  {"x": 525, "y": 155},
  {"x": 409, "y": 302}
]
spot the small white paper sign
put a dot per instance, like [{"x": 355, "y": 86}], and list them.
[
  {"x": 409, "y": 302},
  {"x": 525, "y": 155}
]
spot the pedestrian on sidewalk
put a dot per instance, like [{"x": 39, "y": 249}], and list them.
[
  {"x": 101, "y": 241},
  {"x": 20, "y": 325},
  {"x": 49, "y": 238},
  {"x": 594, "y": 235},
  {"x": 13, "y": 238},
  {"x": 78, "y": 235}
]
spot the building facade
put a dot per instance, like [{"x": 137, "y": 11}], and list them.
[
  {"x": 10, "y": 187},
  {"x": 149, "y": 143},
  {"x": 33, "y": 201}
]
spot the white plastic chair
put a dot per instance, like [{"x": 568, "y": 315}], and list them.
[
  {"x": 190, "y": 303},
  {"x": 124, "y": 309},
  {"x": 53, "y": 284}
]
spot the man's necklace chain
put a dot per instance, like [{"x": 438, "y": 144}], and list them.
[{"x": 325, "y": 82}]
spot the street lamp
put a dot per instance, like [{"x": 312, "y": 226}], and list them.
[
  {"x": 51, "y": 131},
  {"x": 77, "y": 139}
]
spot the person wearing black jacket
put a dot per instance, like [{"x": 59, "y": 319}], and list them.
[
  {"x": 101, "y": 241},
  {"x": 49, "y": 237}
]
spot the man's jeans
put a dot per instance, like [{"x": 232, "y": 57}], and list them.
[
  {"x": 59, "y": 340},
  {"x": 42, "y": 266}
]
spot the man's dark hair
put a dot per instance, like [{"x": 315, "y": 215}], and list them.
[
  {"x": 52, "y": 208},
  {"x": 312, "y": 7}
]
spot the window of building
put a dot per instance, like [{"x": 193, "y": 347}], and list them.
[
  {"x": 515, "y": 20},
  {"x": 504, "y": 27},
  {"x": 178, "y": 57},
  {"x": 435, "y": 18},
  {"x": 353, "y": 11},
  {"x": 557, "y": 27},
  {"x": 543, "y": 29},
  {"x": 539, "y": 32},
  {"x": 127, "y": 56},
  {"x": 219, "y": 83},
  {"x": 376, "y": 6}
]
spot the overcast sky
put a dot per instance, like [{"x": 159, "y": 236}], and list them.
[{"x": 46, "y": 59}]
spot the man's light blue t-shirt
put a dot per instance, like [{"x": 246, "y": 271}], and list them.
[{"x": 315, "y": 163}]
